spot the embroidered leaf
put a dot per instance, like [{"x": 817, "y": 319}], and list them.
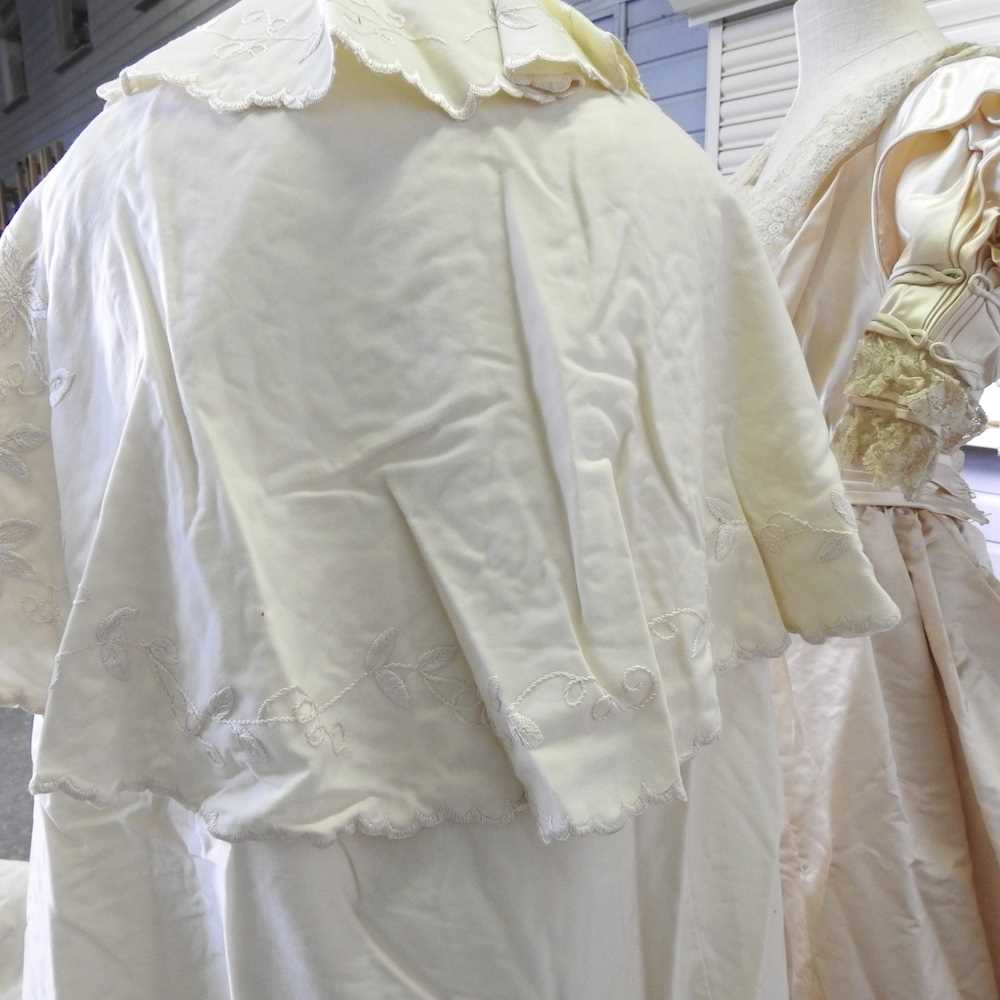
[
  {"x": 214, "y": 755},
  {"x": 721, "y": 511},
  {"x": 834, "y": 547},
  {"x": 725, "y": 539},
  {"x": 60, "y": 383},
  {"x": 110, "y": 637},
  {"x": 250, "y": 743},
  {"x": 524, "y": 730},
  {"x": 14, "y": 566},
  {"x": 111, "y": 625},
  {"x": 338, "y": 738},
  {"x": 603, "y": 707},
  {"x": 380, "y": 651},
  {"x": 448, "y": 680},
  {"x": 24, "y": 437},
  {"x": 15, "y": 532},
  {"x": 221, "y": 704},
  {"x": 393, "y": 687},
  {"x": 843, "y": 507},
  {"x": 574, "y": 692},
  {"x": 772, "y": 538},
  {"x": 163, "y": 651},
  {"x": 437, "y": 659},
  {"x": 12, "y": 465}
]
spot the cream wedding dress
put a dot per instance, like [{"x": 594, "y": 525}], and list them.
[{"x": 883, "y": 234}]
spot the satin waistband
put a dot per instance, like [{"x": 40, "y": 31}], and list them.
[{"x": 946, "y": 493}]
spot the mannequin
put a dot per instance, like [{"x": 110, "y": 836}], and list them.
[{"x": 844, "y": 45}]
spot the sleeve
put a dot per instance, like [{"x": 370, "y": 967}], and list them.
[
  {"x": 32, "y": 591},
  {"x": 777, "y": 447},
  {"x": 932, "y": 347}
]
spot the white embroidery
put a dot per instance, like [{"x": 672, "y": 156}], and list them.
[
  {"x": 266, "y": 31},
  {"x": 439, "y": 669},
  {"x": 832, "y": 542},
  {"x": 515, "y": 726},
  {"x": 16, "y": 442},
  {"x": 385, "y": 25},
  {"x": 13, "y": 534},
  {"x": 19, "y": 300},
  {"x": 729, "y": 523},
  {"x": 506, "y": 14},
  {"x": 665, "y": 627}
]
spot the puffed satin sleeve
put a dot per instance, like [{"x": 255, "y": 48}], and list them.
[
  {"x": 932, "y": 347},
  {"x": 32, "y": 591}
]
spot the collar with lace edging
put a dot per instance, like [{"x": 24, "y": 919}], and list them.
[{"x": 281, "y": 54}]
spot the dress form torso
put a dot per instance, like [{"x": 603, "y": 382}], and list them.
[{"x": 843, "y": 45}]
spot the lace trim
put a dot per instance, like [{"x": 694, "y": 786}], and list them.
[
  {"x": 778, "y": 210},
  {"x": 476, "y": 92},
  {"x": 906, "y": 409},
  {"x": 358, "y": 25}
]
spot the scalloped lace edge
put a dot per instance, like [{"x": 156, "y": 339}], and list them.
[
  {"x": 475, "y": 92},
  {"x": 379, "y": 826},
  {"x": 126, "y": 86}
]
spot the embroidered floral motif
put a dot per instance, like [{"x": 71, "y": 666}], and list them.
[
  {"x": 265, "y": 31},
  {"x": 13, "y": 534},
  {"x": 439, "y": 669},
  {"x": 729, "y": 523},
  {"x": 18, "y": 441},
  {"x": 19, "y": 300},
  {"x": 507, "y": 14},
  {"x": 386, "y": 25},
  {"x": 833, "y": 542},
  {"x": 513, "y": 725},
  {"x": 665, "y": 627},
  {"x": 112, "y": 642}
]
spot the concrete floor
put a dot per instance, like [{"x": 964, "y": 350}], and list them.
[{"x": 15, "y": 770}]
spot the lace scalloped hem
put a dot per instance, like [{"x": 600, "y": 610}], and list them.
[{"x": 366, "y": 824}]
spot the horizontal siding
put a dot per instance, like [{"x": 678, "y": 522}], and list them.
[
  {"x": 670, "y": 54},
  {"x": 60, "y": 104},
  {"x": 671, "y": 57},
  {"x": 760, "y": 69}
]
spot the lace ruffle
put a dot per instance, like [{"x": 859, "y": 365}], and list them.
[{"x": 908, "y": 409}]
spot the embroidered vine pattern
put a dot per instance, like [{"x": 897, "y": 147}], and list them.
[
  {"x": 729, "y": 524},
  {"x": 13, "y": 534},
  {"x": 503, "y": 13},
  {"x": 438, "y": 670},
  {"x": 514, "y": 725},
  {"x": 386, "y": 25},
  {"x": 833, "y": 542},
  {"x": 21, "y": 311},
  {"x": 267, "y": 30},
  {"x": 667, "y": 627}
]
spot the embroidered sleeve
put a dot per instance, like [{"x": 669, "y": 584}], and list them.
[
  {"x": 31, "y": 574},
  {"x": 789, "y": 492},
  {"x": 931, "y": 349}
]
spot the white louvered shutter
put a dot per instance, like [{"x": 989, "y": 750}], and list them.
[{"x": 757, "y": 69}]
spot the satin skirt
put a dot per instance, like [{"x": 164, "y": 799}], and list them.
[
  {"x": 137, "y": 903},
  {"x": 890, "y": 751}
]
